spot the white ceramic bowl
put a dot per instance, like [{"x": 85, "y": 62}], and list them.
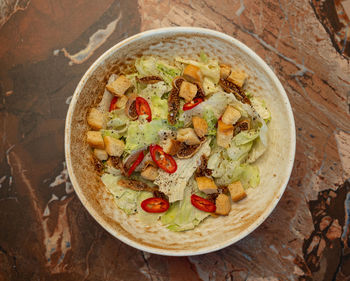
[{"x": 275, "y": 165}]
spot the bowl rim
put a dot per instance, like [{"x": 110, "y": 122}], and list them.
[{"x": 180, "y": 30}]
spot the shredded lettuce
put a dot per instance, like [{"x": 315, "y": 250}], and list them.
[
  {"x": 210, "y": 69},
  {"x": 245, "y": 137},
  {"x": 248, "y": 175},
  {"x": 257, "y": 151},
  {"x": 126, "y": 199},
  {"x": 156, "y": 89},
  {"x": 211, "y": 120},
  {"x": 154, "y": 66},
  {"x": 182, "y": 215},
  {"x": 203, "y": 56},
  {"x": 261, "y": 108},
  {"x": 210, "y": 87},
  {"x": 238, "y": 152},
  {"x": 159, "y": 108},
  {"x": 142, "y": 134}
]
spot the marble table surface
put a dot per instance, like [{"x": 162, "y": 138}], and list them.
[{"x": 46, "y": 46}]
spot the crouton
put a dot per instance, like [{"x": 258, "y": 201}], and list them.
[
  {"x": 188, "y": 136},
  {"x": 237, "y": 191},
  {"x": 200, "y": 126},
  {"x": 150, "y": 173},
  {"x": 237, "y": 77},
  {"x": 96, "y": 119},
  {"x": 225, "y": 71},
  {"x": 94, "y": 139},
  {"x": 224, "y": 134},
  {"x": 171, "y": 146},
  {"x": 119, "y": 86},
  {"x": 223, "y": 205},
  {"x": 121, "y": 102},
  {"x": 206, "y": 185},
  {"x": 192, "y": 73},
  {"x": 114, "y": 147},
  {"x": 231, "y": 115},
  {"x": 188, "y": 91},
  {"x": 100, "y": 154}
]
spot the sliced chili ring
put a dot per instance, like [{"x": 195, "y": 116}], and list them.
[
  {"x": 155, "y": 205},
  {"x": 113, "y": 104},
  {"x": 143, "y": 108},
  {"x": 136, "y": 163},
  {"x": 163, "y": 160},
  {"x": 202, "y": 204},
  {"x": 192, "y": 104}
]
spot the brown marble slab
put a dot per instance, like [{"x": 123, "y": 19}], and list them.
[{"x": 46, "y": 46}]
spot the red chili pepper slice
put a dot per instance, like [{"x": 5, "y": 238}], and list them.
[
  {"x": 155, "y": 205},
  {"x": 162, "y": 159},
  {"x": 142, "y": 108},
  {"x": 202, "y": 204},
  {"x": 113, "y": 105},
  {"x": 136, "y": 163},
  {"x": 192, "y": 104}
]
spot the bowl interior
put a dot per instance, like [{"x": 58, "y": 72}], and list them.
[{"x": 275, "y": 165}]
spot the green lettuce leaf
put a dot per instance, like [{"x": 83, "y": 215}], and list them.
[
  {"x": 182, "y": 215},
  {"x": 142, "y": 134},
  {"x": 210, "y": 69},
  {"x": 246, "y": 136},
  {"x": 261, "y": 108},
  {"x": 125, "y": 199},
  {"x": 153, "y": 66},
  {"x": 159, "y": 108},
  {"x": 211, "y": 120},
  {"x": 209, "y": 86},
  {"x": 238, "y": 152}
]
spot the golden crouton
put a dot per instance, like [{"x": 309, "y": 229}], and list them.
[
  {"x": 114, "y": 147},
  {"x": 224, "y": 134},
  {"x": 94, "y": 139},
  {"x": 119, "y": 86},
  {"x": 237, "y": 191},
  {"x": 237, "y": 77},
  {"x": 223, "y": 205},
  {"x": 200, "y": 126},
  {"x": 171, "y": 146},
  {"x": 231, "y": 115},
  {"x": 188, "y": 91},
  {"x": 192, "y": 73},
  {"x": 206, "y": 185},
  {"x": 188, "y": 136},
  {"x": 150, "y": 173},
  {"x": 96, "y": 119},
  {"x": 121, "y": 102},
  {"x": 100, "y": 154},
  {"x": 225, "y": 71}
]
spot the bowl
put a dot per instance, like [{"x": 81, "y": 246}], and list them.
[{"x": 214, "y": 233}]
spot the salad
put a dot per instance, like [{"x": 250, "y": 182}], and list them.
[{"x": 174, "y": 141}]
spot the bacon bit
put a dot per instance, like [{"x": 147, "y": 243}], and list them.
[
  {"x": 187, "y": 151},
  {"x": 230, "y": 87},
  {"x": 174, "y": 100},
  {"x": 149, "y": 79},
  {"x": 130, "y": 108},
  {"x": 202, "y": 170},
  {"x": 159, "y": 194}
]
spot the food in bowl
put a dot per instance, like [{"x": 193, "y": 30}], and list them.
[{"x": 175, "y": 141}]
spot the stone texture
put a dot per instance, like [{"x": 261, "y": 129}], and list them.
[{"x": 46, "y": 234}]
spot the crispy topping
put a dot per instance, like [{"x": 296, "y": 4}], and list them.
[
  {"x": 130, "y": 108},
  {"x": 202, "y": 170},
  {"x": 159, "y": 194},
  {"x": 136, "y": 185},
  {"x": 230, "y": 87},
  {"x": 149, "y": 79},
  {"x": 200, "y": 93},
  {"x": 174, "y": 100},
  {"x": 187, "y": 151}
]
